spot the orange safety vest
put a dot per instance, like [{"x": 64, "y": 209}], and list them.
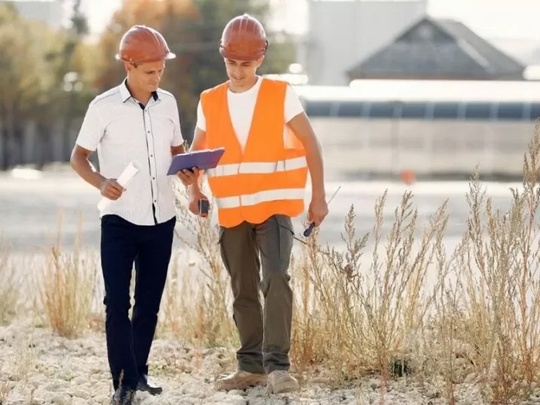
[{"x": 269, "y": 176}]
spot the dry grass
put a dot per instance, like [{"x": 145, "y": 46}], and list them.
[
  {"x": 368, "y": 316},
  {"x": 5, "y": 389},
  {"x": 473, "y": 317},
  {"x": 9, "y": 285},
  {"x": 24, "y": 361},
  {"x": 198, "y": 287},
  {"x": 67, "y": 290},
  {"x": 393, "y": 303}
]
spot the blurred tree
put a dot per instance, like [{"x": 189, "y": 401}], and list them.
[
  {"x": 25, "y": 78},
  {"x": 70, "y": 73},
  {"x": 192, "y": 29},
  {"x": 32, "y": 92}
]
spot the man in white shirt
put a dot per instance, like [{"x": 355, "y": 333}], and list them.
[
  {"x": 134, "y": 122},
  {"x": 258, "y": 186}
]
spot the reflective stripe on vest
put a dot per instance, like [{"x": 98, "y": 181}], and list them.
[
  {"x": 260, "y": 197},
  {"x": 269, "y": 175},
  {"x": 258, "y": 167}
]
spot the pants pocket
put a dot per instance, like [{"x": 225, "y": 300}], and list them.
[
  {"x": 221, "y": 232},
  {"x": 286, "y": 237},
  {"x": 285, "y": 223}
]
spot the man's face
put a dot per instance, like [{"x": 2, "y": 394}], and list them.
[
  {"x": 146, "y": 76},
  {"x": 242, "y": 73}
]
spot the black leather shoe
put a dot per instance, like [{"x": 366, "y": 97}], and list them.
[
  {"x": 123, "y": 396},
  {"x": 144, "y": 385}
]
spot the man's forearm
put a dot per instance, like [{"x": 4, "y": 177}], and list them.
[
  {"x": 196, "y": 186},
  {"x": 197, "y": 144},
  {"x": 316, "y": 169},
  {"x": 86, "y": 170}
]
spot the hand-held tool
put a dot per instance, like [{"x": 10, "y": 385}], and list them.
[{"x": 309, "y": 230}]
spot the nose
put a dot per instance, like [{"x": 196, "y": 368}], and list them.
[
  {"x": 235, "y": 71},
  {"x": 154, "y": 80}
]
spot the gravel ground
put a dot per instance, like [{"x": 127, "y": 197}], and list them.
[{"x": 38, "y": 367}]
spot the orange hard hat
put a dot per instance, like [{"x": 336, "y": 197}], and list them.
[
  {"x": 243, "y": 39},
  {"x": 142, "y": 44}
]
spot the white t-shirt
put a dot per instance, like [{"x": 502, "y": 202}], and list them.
[{"x": 242, "y": 106}]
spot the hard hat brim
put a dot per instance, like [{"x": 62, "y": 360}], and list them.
[
  {"x": 169, "y": 56},
  {"x": 239, "y": 56}
]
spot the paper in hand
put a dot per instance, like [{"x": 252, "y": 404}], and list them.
[{"x": 125, "y": 177}]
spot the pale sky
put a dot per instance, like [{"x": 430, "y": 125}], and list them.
[
  {"x": 488, "y": 18},
  {"x": 493, "y": 18}
]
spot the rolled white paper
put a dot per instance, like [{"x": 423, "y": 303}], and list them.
[{"x": 125, "y": 177}]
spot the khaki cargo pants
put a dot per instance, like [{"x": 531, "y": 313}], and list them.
[{"x": 265, "y": 331}]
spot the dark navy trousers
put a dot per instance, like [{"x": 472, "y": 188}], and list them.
[{"x": 123, "y": 245}]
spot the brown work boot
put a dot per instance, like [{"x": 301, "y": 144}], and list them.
[
  {"x": 240, "y": 380},
  {"x": 280, "y": 381}
]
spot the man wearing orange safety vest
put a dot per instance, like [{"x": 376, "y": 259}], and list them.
[{"x": 258, "y": 186}]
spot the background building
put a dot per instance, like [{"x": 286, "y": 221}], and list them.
[
  {"x": 342, "y": 33},
  {"x": 439, "y": 49}
]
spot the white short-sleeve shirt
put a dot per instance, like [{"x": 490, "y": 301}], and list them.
[
  {"x": 242, "y": 106},
  {"x": 122, "y": 130}
]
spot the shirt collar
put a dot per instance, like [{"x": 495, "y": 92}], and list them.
[{"x": 125, "y": 94}]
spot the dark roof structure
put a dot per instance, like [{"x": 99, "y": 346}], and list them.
[{"x": 438, "y": 49}]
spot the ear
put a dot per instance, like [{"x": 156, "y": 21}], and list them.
[
  {"x": 128, "y": 66},
  {"x": 260, "y": 61}
]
